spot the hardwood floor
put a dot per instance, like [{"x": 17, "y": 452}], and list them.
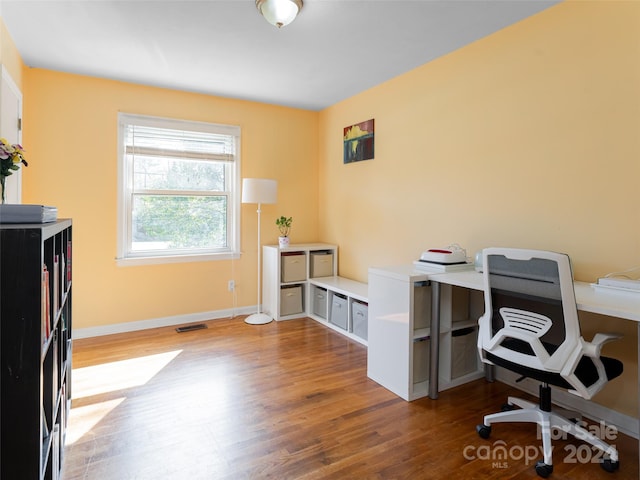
[{"x": 287, "y": 400}]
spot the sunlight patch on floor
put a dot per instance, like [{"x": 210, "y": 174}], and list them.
[
  {"x": 83, "y": 419},
  {"x": 119, "y": 375}
]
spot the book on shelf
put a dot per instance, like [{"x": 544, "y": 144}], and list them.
[
  {"x": 68, "y": 262},
  {"x": 63, "y": 275},
  {"x": 55, "y": 368},
  {"x": 22, "y": 213},
  {"x": 56, "y": 285},
  {"x": 46, "y": 305}
]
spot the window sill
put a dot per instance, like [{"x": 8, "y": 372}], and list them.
[{"x": 164, "y": 259}]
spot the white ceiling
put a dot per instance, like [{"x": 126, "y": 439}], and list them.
[{"x": 332, "y": 51}]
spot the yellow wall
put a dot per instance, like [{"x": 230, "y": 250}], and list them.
[
  {"x": 527, "y": 138},
  {"x": 9, "y": 56},
  {"x": 70, "y": 133}
]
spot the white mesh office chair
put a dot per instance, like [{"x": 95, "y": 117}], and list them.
[{"x": 530, "y": 326}]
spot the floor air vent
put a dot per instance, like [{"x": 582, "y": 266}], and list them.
[{"x": 188, "y": 328}]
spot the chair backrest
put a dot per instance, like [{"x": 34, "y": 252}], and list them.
[{"x": 530, "y": 318}]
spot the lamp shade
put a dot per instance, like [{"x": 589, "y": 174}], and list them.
[
  {"x": 279, "y": 12},
  {"x": 259, "y": 190}
]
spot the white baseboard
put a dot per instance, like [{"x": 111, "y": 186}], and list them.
[
  {"x": 624, "y": 423},
  {"x": 159, "y": 322}
]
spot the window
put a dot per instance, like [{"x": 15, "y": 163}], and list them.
[{"x": 178, "y": 190}]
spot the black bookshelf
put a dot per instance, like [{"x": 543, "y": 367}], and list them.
[{"x": 35, "y": 343}]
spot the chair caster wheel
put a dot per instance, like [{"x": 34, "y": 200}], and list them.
[
  {"x": 483, "y": 430},
  {"x": 610, "y": 466},
  {"x": 507, "y": 407},
  {"x": 543, "y": 470}
]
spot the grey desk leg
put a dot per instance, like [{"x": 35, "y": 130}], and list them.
[
  {"x": 434, "y": 366},
  {"x": 489, "y": 372}
]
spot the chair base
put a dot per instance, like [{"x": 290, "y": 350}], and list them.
[{"x": 549, "y": 419}]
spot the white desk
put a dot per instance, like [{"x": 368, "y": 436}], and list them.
[{"x": 625, "y": 305}]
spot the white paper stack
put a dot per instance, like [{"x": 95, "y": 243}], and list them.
[
  {"x": 620, "y": 283},
  {"x": 20, "y": 213}
]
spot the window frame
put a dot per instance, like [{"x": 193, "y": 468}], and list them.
[{"x": 125, "y": 255}]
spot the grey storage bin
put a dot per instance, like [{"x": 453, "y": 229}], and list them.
[
  {"x": 321, "y": 264},
  {"x": 459, "y": 304},
  {"x": 294, "y": 268},
  {"x": 421, "y": 305},
  {"x": 291, "y": 300},
  {"x": 319, "y": 301},
  {"x": 421, "y": 352},
  {"x": 339, "y": 310},
  {"x": 359, "y": 317},
  {"x": 464, "y": 353}
]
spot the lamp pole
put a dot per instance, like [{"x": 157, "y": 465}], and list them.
[{"x": 259, "y": 191}]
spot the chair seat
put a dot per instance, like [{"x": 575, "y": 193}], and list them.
[{"x": 585, "y": 371}]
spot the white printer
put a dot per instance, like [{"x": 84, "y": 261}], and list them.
[{"x": 451, "y": 255}]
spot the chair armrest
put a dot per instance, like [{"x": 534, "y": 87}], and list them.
[{"x": 592, "y": 349}]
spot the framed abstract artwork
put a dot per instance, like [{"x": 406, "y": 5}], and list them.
[{"x": 358, "y": 142}]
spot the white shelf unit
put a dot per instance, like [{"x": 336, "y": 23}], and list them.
[
  {"x": 300, "y": 262},
  {"x": 328, "y": 296},
  {"x": 304, "y": 278},
  {"x": 400, "y": 334}
]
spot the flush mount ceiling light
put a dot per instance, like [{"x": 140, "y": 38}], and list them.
[{"x": 279, "y": 12}]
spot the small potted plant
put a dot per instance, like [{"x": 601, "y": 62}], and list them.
[{"x": 284, "y": 225}]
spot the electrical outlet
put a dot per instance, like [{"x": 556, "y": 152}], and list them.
[{"x": 231, "y": 285}]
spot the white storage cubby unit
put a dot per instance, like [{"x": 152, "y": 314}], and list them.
[
  {"x": 286, "y": 273},
  {"x": 302, "y": 281},
  {"x": 340, "y": 304},
  {"x": 400, "y": 332}
]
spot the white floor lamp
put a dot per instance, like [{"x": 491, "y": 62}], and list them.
[{"x": 259, "y": 190}]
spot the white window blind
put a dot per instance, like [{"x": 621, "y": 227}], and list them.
[
  {"x": 165, "y": 142},
  {"x": 178, "y": 189}
]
